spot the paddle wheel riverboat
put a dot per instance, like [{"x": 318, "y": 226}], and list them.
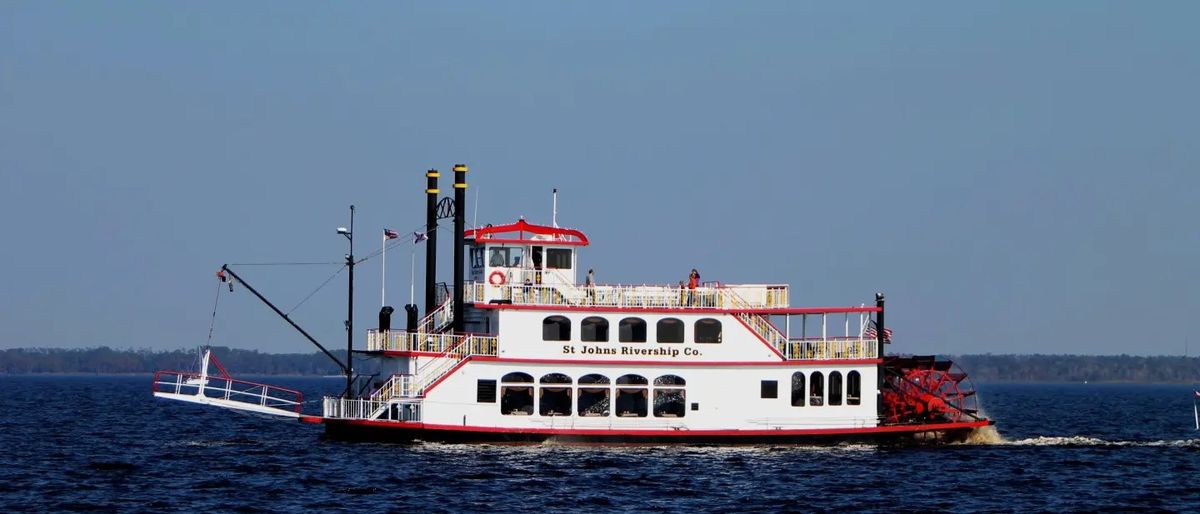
[{"x": 520, "y": 349}]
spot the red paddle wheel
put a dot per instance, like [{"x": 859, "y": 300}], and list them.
[{"x": 922, "y": 389}]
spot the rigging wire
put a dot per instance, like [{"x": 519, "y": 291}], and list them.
[
  {"x": 322, "y": 286},
  {"x": 393, "y": 244},
  {"x": 283, "y": 263},
  {"x": 212, "y": 324}
]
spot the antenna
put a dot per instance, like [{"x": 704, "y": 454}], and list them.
[{"x": 554, "y": 213}]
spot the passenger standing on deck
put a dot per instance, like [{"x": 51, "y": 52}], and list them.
[
  {"x": 693, "y": 283},
  {"x": 590, "y": 284}
]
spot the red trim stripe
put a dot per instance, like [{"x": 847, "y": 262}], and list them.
[
  {"x": 682, "y": 310},
  {"x": 889, "y": 429}
]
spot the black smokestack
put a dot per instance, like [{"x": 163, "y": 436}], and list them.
[
  {"x": 431, "y": 198},
  {"x": 460, "y": 221}
]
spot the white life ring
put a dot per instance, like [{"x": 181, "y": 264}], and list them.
[{"x": 496, "y": 278}]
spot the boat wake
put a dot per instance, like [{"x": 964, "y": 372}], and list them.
[{"x": 990, "y": 436}]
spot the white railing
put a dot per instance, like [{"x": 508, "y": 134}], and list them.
[
  {"x": 371, "y": 408},
  {"x": 227, "y": 389},
  {"x": 760, "y": 324},
  {"x": 620, "y": 295},
  {"x": 440, "y": 318},
  {"x": 405, "y": 341},
  {"x": 831, "y": 348}
]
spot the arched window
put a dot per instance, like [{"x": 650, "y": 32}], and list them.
[
  {"x": 517, "y": 378},
  {"x": 631, "y": 396},
  {"x": 835, "y": 388},
  {"x": 593, "y": 396},
  {"x": 556, "y": 328},
  {"x": 799, "y": 393},
  {"x": 593, "y": 329},
  {"x": 708, "y": 330},
  {"x": 670, "y": 330},
  {"x": 632, "y": 330},
  {"x": 554, "y": 395},
  {"x": 516, "y": 394},
  {"x": 816, "y": 389},
  {"x": 853, "y": 388},
  {"x": 670, "y": 399}
]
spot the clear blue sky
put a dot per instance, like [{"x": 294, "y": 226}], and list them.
[{"x": 1016, "y": 176}]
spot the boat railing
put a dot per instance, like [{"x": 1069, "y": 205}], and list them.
[
  {"x": 831, "y": 348},
  {"x": 228, "y": 389},
  {"x": 708, "y": 296},
  {"x": 405, "y": 341}
]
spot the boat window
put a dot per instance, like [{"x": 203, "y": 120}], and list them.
[
  {"x": 708, "y": 330},
  {"x": 769, "y": 389},
  {"x": 593, "y": 401},
  {"x": 632, "y": 330},
  {"x": 853, "y": 388},
  {"x": 477, "y": 257},
  {"x": 816, "y": 389},
  {"x": 632, "y": 380},
  {"x": 556, "y": 328},
  {"x": 593, "y": 329},
  {"x": 516, "y": 399},
  {"x": 631, "y": 402},
  {"x": 558, "y": 258},
  {"x": 669, "y": 380},
  {"x": 555, "y": 378},
  {"x": 517, "y": 377},
  {"x": 593, "y": 379},
  {"x": 505, "y": 257},
  {"x": 485, "y": 391},
  {"x": 554, "y": 400},
  {"x": 670, "y": 402},
  {"x": 835, "y": 388},
  {"x": 499, "y": 258},
  {"x": 799, "y": 393},
  {"x": 670, "y": 330}
]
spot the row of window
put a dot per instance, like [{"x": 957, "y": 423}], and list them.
[
  {"x": 510, "y": 257},
  {"x": 594, "y": 329},
  {"x": 594, "y": 398},
  {"x": 814, "y": 394}
]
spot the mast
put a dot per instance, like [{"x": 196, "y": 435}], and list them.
[
  {"x": 460, "y": 220},
  {"x": 350, "y": 311}
]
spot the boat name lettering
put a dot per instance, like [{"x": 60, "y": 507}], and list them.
[{"x": 629, "y": 350}]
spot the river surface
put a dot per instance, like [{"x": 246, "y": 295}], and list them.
[{"x": 88, "y": 443}]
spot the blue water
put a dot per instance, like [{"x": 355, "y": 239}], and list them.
[{"x": 104, "y": 444}]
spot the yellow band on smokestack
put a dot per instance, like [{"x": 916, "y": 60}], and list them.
[
  {"x": 433, "y": 174},
  {"x": 433, "y": 191},
  {"x": 461, "y": 167}
]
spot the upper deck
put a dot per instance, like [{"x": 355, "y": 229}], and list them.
[{"x": 743, "y": 297}]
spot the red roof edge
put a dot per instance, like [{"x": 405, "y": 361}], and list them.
[{"x": 567, "y": 236}]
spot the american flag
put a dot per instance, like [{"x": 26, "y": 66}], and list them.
[
  {"x": 870, "y": 333},
  {"x": 390, "y": 234}
]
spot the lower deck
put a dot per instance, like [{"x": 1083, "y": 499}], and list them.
[{"x": 389, "y": 431}]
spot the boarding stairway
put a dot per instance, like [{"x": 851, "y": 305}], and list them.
[{"x": 401, "y": 396}]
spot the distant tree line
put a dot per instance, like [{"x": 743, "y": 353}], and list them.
[
  {"x": 109, "y": 360},
  {"x": 995, "y": 368},
  {"x": 1080, "y": 368}
]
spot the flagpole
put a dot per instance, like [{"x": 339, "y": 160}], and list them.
[
  {"x": 383, "y": 274},
  {"x": 412, "y": 273},
  {"x": 1195, "y": 411}
]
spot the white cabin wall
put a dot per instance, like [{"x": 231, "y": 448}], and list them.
[
  {"x": 521, "y": 337},
  {"x": 729, "y": 399}
]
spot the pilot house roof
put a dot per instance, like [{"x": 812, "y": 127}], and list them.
[{"x": 523, "y": 232}]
